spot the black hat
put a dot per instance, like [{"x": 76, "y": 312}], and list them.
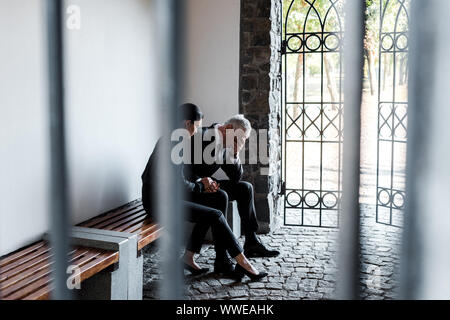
[{"x": 190, "y": 111}]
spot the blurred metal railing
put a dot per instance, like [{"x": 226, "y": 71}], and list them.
[
  {"x": 170, "y": 26},
  {"x": 426, "y": 239},
  {"x": 349, "y": 229},
  {"x": 58, "y": 202}
]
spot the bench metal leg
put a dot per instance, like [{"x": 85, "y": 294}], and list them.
[
  {"x": 135, "y": 280},
  {"x": 120, "y": 282},
  {"x": 234, "y": 219},
  {"x": 106, "y": 285}
]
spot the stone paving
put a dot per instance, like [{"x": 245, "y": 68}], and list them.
[{"x": 305, "y": 268}]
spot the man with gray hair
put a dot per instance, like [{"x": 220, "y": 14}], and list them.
[{"x": 220, "y": 147}]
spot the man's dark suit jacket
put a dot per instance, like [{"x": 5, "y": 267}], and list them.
[{"x": 196, "y": 171}]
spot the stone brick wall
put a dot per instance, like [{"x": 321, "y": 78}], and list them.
[{"x": 260, "y": 94}]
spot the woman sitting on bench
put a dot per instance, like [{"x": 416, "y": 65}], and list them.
[{"x": 204, "y": 217}]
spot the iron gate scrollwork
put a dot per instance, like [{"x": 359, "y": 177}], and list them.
[
  {"x": 312, "y": 40},
  {"x": 392, "y": 111}
]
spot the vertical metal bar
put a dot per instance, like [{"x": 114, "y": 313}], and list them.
[
  {"x": 170, "y": 15},
  {"x": 339, "y": 191},
  {"x": 59, "y": 208},
  {"x": 411, "y": 264},
  {"x": 379, "y": 110},
  {"x": 322, "y": 111},
  {"x": 283, "y": 152},
  {"x": 394, "y": 100},
  {"x": 426, "y": 237},
  {"x": 283, "y": 109},
  {"x": 303, "y": 120},
  {"x": 349, "y": 266}
]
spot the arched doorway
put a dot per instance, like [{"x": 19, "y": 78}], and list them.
[
  {"x": 313, "y": 106},
  {"x": 392, "y": 111},
  {"x": 312, "y": 111}
]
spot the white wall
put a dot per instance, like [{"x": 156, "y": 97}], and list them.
[
  {"x": 213, "y": 57},
  {"x": 111, "y": 103},
  {"x": 111, "y": 126},
  {"x": 23, "y": 124}
]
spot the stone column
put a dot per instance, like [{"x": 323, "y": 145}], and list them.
[{"x": 260, "y": 99}]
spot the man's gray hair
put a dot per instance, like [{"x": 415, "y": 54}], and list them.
[{"x": 240, "y": 122}]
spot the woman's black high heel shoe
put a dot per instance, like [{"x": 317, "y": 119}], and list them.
[
  {"x": 193, "y": 271},
  {"x": 242, "y": 271}
]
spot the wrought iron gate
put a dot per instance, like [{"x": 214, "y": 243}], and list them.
[
  {"x": 312, "y": 111},
  {"x": 392, "y": 111}
]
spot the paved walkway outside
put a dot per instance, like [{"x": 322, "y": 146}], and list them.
[{"x": 305, "y": 269}]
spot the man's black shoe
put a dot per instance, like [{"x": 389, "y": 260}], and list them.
[
  {"x": 224, "y": 267},
  {"x": 258, "y": 250}
]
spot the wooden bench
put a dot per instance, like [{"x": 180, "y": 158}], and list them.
[
  {"x": 130, "y": 218},
  {"x": 26, "y": 273}
]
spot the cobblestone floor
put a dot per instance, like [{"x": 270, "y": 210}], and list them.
[{"x": 304, "y": 270}]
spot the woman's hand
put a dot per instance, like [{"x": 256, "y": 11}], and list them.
[{"x": 210, "y": 185}]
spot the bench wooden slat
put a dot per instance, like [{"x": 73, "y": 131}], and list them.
[
  {"x": 20, "y": 254},
  {"x": 90, "y": 261},
  {"x": 45, "y": 269},
  {"x": 149, "y": 237},
  {"x": 151, "y": 227},
  {"x": 87, "y": 271},
  {"x": 138, "y": 223},
  {"x": 24, "y": 271},
  {"x": 125, "y": 221},
  {"x": 86, "y": 258},
  {"x": 141, "y": 226},
  {"x": 119, "y": 219},
  {"x": 24, "y": 259},
  {"x": 79, "y": 253},
  {"x": 45, "y": 258},
  {"x": 25, "y": 283},
  {"x": 5, "y": 275},
  {"x": 29, "y": 264},
  {"x": 111, "y": 214},
  {"x": 20, "y": 276},
  {"x": 103, "y": 261},
  {"x": 41, "y": 294},
  {"x": 42, "y": 282},
  {"x": 130, "y": 224}
]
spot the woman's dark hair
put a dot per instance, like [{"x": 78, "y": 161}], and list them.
[{"x": 190, "y": 111}]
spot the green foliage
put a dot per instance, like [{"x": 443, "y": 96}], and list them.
[
  {"x": 315, "y": 11},
  {"x": 372, "y": 25},
  {"x": 314, "y": 69},
  {"x": 313, "y": 16}
]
